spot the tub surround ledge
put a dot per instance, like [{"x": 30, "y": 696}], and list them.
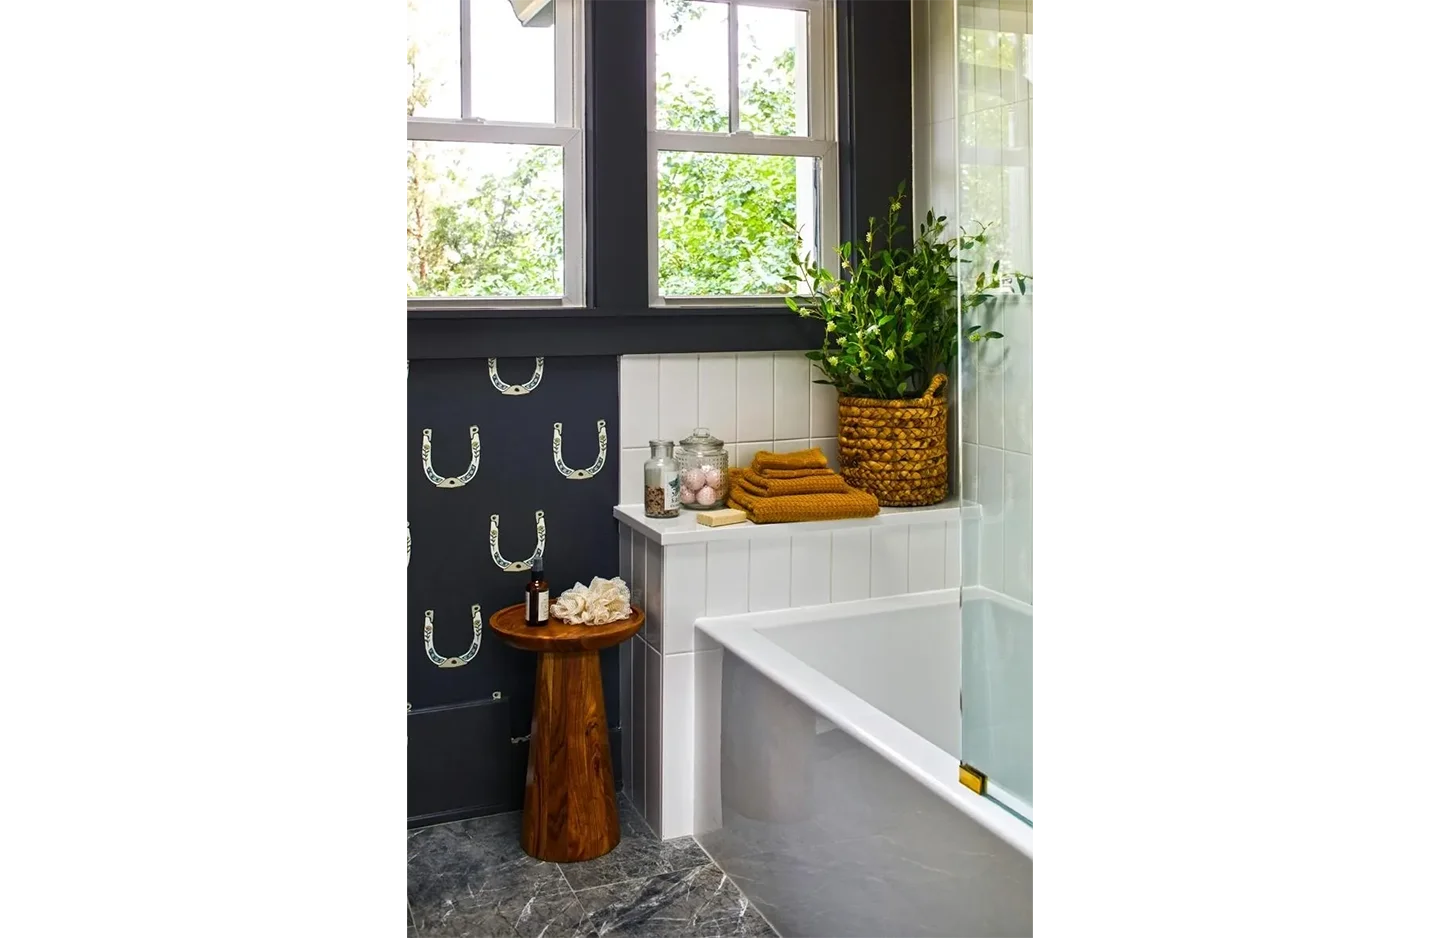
[{"x": 686, "y": 529}]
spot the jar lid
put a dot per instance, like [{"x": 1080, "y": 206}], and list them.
[{"x": 702, "y": 442}]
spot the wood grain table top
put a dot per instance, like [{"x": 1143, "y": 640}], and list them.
[{"x": 556, "y": 636}]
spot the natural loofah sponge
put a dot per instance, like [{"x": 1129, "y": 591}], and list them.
[{"x": 601, "y": 602}]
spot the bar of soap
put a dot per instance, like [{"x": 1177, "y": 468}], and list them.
[{"x": 714, "y": 519}]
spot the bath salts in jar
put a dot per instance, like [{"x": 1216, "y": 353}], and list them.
[
  {"x": 662, "y": 481},
  {"x": 704, "y": 463}
]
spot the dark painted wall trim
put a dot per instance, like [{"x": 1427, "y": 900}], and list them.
[{"x": 875, "y": 154}]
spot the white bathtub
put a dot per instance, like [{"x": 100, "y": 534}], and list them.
[{"x": 827, "y": 748}]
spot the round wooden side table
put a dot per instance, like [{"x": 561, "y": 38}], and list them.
[{"x": 570, "y": 809}]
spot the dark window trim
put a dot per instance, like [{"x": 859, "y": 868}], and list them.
[{"x": 874, "y": 104}]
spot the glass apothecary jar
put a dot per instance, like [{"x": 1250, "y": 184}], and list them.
[
  {"x": 662, "y": 481},
  {"x": 704, "y": 463}
]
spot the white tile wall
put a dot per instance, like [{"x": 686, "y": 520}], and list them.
[
  {"x": 655, "y": 718},
  {"x": 849, "y": 565},
  {"x": 684, "y": 595},
  {"x": 708, "y": 672},
  {"x": 927, "y": 557},
  {"x": 810, "y": 569},
  {"x": 665, "y": 736},
  {"x": 727, "y": 567},
  {"x": 889, "y": 561},
  {"x": 769, "y": 574},
  {"x": 754, "y": 396},
  {"x": 677, "y": 813},
  {"x": 972, "y": 153},
  {"x": 654, "y": 604},
  {"x": 752, "y": 400}
]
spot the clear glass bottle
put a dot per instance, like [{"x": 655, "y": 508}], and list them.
[
  {"x": 704, "y": 464},
  {"x": 662, "y": 481}
]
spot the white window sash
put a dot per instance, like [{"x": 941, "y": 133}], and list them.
[
  {"x": 566, "y": 132},
  {"x": 821, "y": 143}
]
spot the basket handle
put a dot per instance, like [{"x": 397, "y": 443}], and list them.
[{"x": 936, "y": 383}]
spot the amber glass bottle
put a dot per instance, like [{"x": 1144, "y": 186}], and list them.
[{"x": 537, "y": 598}]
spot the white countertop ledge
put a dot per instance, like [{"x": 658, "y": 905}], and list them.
[{"x": 686, "y": 530}]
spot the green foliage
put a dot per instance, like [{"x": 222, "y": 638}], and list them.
[
  {"x": 890, "y": 317},
  {"x": 722, "y": 219}
]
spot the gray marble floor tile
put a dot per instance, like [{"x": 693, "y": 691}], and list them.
[
  {"x": 558, "y": 915},
  {"x": 688, "y": 903},
  {"x": 635, "y": 858}
]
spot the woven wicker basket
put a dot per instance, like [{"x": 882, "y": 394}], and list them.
[{"x": 895, "y": 450}]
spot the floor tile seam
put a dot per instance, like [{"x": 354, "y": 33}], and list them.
[
  {"x": 750, "y": 903},
  {"x": 636, "y": 879}
]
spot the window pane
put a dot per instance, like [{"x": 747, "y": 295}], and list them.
[
  {"x": 512, "y": 66},
  {"x": 692, "y": 66},
  {"x": 773, "y": 86},
  {"x": 723, "y": 221},
  {"x": 433, "y": 51},
  {"x": 484, "y": 219}
]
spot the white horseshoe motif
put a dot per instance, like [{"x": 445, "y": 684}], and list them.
[
  {"x": 577, "y": 474},
  {"x": 464, "y": 659},
  {"x": 515, "y": 566},
  {"x": 525, "y": 388},
  {"x": 407, "y": 545},
  {"x": 452, "y": 482}
]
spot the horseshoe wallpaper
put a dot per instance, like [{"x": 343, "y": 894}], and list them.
[{"x": 481, "y": 508}]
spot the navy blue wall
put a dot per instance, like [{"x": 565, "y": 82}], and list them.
[{"x": 462, "y": 761}]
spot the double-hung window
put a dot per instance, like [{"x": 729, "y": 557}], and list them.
[
  {"x": 494, "y": 182},
  {"x": 742, "y": 146}
]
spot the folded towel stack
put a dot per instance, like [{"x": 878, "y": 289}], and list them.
[{"x": 800, "y": 486}]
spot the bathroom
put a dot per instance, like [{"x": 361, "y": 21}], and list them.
[
  {"x": 571, "y": 434},
  {"x": 716, "y": 612}
]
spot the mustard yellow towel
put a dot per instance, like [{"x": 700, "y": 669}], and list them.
[
  {"x": 758, "y": 484},
  {"x": 791, "y": 473},
  {"x": 800, "y": 459},
  {"x": 823, "y": 506}
]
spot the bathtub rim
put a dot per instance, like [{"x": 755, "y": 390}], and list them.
[{"x": 916, "y": 756}]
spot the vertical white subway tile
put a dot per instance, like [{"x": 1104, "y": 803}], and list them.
[
  {"x": 1017, "y": 572},
  {"x": 968, "y": 394},
  {"x": 990, "y": 388},
  {"x": 964, "y": 65},
  {"x": 654, "y": 599},
  {"x": 727, "y": 567},
  {"x": 991, "y": 489},
  {"x": 1017, "y": 377},
  {"x": 823, "y": 407},
  {"x": 953, "y": 558},
  {"x": 769, "y": 573},
  {"x": 810, "y": 569},
  {"x": 626, "y": 717},
  {"x": 942, "y": 46},
  {"x": 637, "y": 568},
  {"x": 849, "y": 565},
  {"x": 945, "y": 171},
  {"x": 889, "y": 560},
  {"x": 679, "y": 385},
  {"x": 639, "y": 394},
  {"x": 969, "y": 468},
  {"x": 734, "y": 450},
  {"x": 677, "y": 815},
  {"x": 830, "y": 446},
  {"x": 921, "y": 63},
  {"x": 754, "y": 397},
  {"x": 624, "y": 553},
  {"x": 969, "y": 552},
  {"x": 792, "y": 396},
  {"x": 791, "y": 446},
  {"x": 927, "y": 557},
  {"x": 636, "y": 783},
  {"x": 684, "y": 595},
  {"x": 708, "y": 671},
  {"x": 654, "y": 738},
  {"x": 632, "y": 476},
  {"x": 717, "y": 395},
  {"x": 745, "y": 452}
]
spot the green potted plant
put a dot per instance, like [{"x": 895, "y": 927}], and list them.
[{"x": 891, "y": 328}]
